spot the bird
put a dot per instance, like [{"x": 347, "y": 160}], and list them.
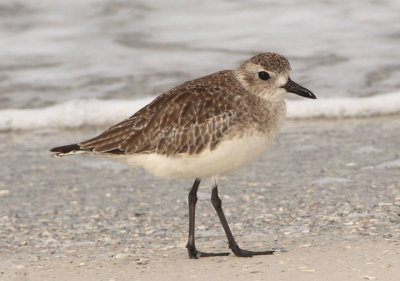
[{"x": 203, "y": 128}]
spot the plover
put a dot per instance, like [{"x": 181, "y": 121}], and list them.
[{"x": 203, "y": 128}]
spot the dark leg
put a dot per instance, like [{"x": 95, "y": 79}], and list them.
[
  {"x": 216, "y": 201},
  {"x": 193, "y": 253}
]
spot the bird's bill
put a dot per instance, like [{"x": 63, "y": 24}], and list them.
[{"x": 293, "y": 87}]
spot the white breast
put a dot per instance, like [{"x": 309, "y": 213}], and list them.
[{"x": 228, "y": 156}]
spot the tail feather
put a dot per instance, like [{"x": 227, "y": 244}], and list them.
[{"x": 65, "y": 149}]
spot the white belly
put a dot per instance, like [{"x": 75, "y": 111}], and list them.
[{"x": 228, "y": 156}]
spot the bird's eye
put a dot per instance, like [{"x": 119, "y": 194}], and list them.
[{"x": 263, "y": 75}]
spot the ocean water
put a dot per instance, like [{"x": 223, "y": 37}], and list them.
[{"x": 64, "y": 62}]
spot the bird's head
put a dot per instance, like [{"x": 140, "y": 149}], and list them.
[{"x": 268, "y": 75}]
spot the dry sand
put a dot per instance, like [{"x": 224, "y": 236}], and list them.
[
  {"x": 372, "y": 260},
  {"x": 326, "y": 196}
]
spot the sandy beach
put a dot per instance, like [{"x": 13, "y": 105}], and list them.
[{"x": 325, "y": 196}]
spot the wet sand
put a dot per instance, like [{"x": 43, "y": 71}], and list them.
[{"x": 325, "y": 196}]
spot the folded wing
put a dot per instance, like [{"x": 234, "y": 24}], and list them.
[{"x": 179, "y": 121}]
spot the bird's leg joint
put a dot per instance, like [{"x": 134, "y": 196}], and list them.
[
  {"x": 192, "y": 197},
  {"x": 215, "y": 200}
]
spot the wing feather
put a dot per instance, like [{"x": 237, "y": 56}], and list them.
[{"x": 187, "y": 119}]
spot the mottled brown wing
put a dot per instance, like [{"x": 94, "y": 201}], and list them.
[{"x": 179, "y": 121}]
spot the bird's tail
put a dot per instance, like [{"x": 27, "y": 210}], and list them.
[{"x": 67, "y": 149}]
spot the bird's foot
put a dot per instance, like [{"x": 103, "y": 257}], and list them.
[
  {"x": 247, "y": 254},
  {"x": 194, "y": 254}
]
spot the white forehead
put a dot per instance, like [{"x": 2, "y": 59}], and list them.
[{"x": 282, "y": 80}]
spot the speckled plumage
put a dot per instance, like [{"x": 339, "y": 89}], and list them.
[
  {"x": 271, "y": 61},
  {"x": 204, "y": 127}
]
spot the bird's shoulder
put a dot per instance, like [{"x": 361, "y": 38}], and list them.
[{"x": 215, "y": 88}]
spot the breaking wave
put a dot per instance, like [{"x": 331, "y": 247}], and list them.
[{"x": 95, "y": 112}]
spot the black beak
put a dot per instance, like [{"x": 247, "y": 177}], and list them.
[{"x": 293, "y": 87}]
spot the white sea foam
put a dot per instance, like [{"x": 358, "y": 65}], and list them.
[
  {"x": 94, "y": 112},
  {"x": 345, "y": 107}
]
